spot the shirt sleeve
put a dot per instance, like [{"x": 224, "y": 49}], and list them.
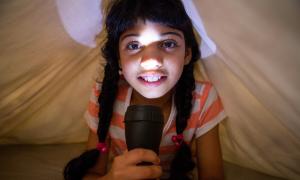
[
  {"x": 212, "y": 111},
  {"x": 91, "y": 114}
]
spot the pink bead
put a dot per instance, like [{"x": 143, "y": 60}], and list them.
[
  {"x": 102, "y": 147},
  {"x": 180, "y": 136},
  {"x": 104, "y": 150},
  {"x": 174, "y": 138},
  {"x": 177, "y": 139}
]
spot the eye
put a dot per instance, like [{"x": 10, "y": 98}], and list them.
[
  {"x": 169, "y": 44},
  {"x": 134, "y": 45}
]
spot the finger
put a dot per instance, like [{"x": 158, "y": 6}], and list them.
[
  {"x": 139, "y": 155},
  {"x": 145, "y": 172}
]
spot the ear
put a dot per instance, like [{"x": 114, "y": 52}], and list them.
[{"x": 188, "y": 56}]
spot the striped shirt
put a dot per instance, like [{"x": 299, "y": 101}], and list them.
[{"x": 207, "y": 112}]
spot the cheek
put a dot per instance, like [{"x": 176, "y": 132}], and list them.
[
  {"x": 123, "y": 61},
  {"x": 127, "y": 66},
  {"x": 128, "y": 60},
  {"x": 175, "y": 68},
  {"x": 176, "y": 63}
]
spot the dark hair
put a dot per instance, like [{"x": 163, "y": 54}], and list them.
[{"x": 122, "y": 15}]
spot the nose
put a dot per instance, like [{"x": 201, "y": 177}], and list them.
[
  {"x": 151, "y": 59},
  {"x": 151, "y": 64}
]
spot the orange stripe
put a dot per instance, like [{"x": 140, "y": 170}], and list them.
[
  {"x": 193, "y": 121},
  {"x": 205, "y": 94},
  {"x": 96, "y": 91},
  {"x": 118, "y": 120},
  {"x": 212, "y": 111},
  {"x": 93, "y": 109}
]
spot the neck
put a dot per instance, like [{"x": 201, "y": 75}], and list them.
[{"x": 161, "y": 102}]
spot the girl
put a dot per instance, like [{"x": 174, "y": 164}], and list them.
[{"x": 150, "y": 52}]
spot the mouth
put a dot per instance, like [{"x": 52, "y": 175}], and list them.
[{"x": 152, "y": 79}]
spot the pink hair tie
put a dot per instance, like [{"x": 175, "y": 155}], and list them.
[
  {"x": 177, "y": 139},
  {"x": 101, "y": 147}
]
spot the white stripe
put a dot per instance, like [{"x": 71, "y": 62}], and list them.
[
  {"x": 93, "y": 97},
  {"x": 171, "y": 117},
  {"x": 211, "y": 124},
  {"x": 212, "y": 96},
  {"x": 117, "y": 133},
  {"x": 91, "y": 121},
  {"x": 196, "y": 105},
  {"x": 188, "y": 134},
  {"x": 98, "y": 85},
  {"x": 198, "y": 88},
  {"x": 120, "y": 107},
  {"x": 196, "y": 102},
  {"x": 202, "y": 89}
]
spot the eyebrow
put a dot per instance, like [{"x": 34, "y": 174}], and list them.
[
  {"x": 172, "y": 33},
  {"x": 128, "y": 35},
  {"x": 162, "y": 34}
]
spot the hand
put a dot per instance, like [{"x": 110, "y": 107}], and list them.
[{"x": 125, "y": 166}]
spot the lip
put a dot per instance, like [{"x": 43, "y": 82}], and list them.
[
  {"x": 154, "y": 83},
  {"x": 154, "y": 78},
  {"x": 152, "y": 73}
]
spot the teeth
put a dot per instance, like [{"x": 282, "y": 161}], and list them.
[{"x": 151, "y": 78}]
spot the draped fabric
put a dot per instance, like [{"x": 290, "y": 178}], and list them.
[
  {"x": 46, "y": 78},
  {"x": 256, "y": 71},
  {"x": 45, "y": 75}
]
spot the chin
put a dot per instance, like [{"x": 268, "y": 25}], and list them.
[{"x": 152, "y": 95}]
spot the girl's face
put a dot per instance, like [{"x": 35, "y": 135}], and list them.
[{"x": 152, "y": 57}]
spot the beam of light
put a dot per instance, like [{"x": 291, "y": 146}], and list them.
[{"x": 148, "y": 36}]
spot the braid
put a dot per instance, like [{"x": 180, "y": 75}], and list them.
[
  {"x": 77, "y": 167},
  {"x": 107, "y": 98},
  {"x": 183, "y": 97},
  {"x": 182, "y": 162}
]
